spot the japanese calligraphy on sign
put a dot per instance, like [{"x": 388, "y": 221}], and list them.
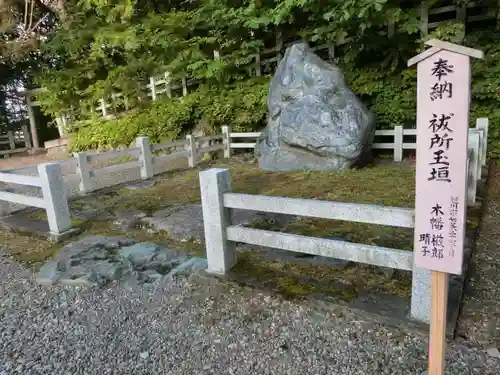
[{"x": 442, "y": 126}]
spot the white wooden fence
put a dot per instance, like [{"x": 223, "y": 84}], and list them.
[
  {"x": 52, "y": 195},
  {"x": 398, "y": 144},
  {"x": 221, "y": 236},
  {"x": 9, "y": 143}
]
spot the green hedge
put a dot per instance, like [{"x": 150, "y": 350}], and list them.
[
  {"x": 389, "y": 94},
  {"x": 242, "y": 105}
]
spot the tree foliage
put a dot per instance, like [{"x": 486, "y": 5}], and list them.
[
  {"x": 102, "y": 47},
  {"x": 109, "y": 46},
  {"x": 242, "y": 104}
]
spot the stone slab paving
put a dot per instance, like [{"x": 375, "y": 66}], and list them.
[{"x": 185, "y": 222}]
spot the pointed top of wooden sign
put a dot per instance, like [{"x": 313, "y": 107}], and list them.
[{"x": 438, "y": 45}]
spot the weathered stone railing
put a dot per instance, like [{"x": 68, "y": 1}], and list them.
[
  {"x": 12, "y": 140},
  {"x": 398, "y": 145},
  {"x": 220, "y": 236},
  {"x": 82, "y": 174},
  {"x": 51, "y": 196}
]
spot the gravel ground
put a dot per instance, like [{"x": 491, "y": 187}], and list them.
[
  {"x": 197, "y": 326},
  {"x": 480, "y": 319},
  {"x": 203, "y": 326}
]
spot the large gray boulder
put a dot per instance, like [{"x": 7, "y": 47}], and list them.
[{"x": 315, "y": 121}]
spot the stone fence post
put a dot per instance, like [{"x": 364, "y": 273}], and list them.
[
  {"x": 221, "y": 253},
  {"x": 226, "y": 140},
  {"x": 12, "y": 142},
  {"x": 398, "y": 143},
  {"x": 482, "y": 123},
  {"x": 191, "y": 148},
  {"x": 27, "y": 138},
  {"x": 145, "y": 157},
  {"x": 83, "y": 171},
  {"x": 55, "y": 198}
]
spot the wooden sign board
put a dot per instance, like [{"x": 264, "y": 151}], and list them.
[
  {"x": 443, "y": 100},
  {"x": 443, "y": 97}
]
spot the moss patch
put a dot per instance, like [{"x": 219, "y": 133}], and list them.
[
  {"x": 387, "y": 184},
  {"x": 299, "y": 280}
]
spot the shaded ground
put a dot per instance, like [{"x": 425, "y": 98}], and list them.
[{"x": 480, "y": 319}]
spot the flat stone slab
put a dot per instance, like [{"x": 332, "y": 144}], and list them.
[
  {"x": 185, "y": 222},
  {"x": 86, "y": 212},
  {"x": 97, "y": 260}
]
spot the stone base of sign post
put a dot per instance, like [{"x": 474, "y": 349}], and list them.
[{"x": 421, "y": 295}]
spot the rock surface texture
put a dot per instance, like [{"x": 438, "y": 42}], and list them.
[
  {"x": 315, "y": 121},
  {"x": 97, "y": 260},
  {"x": 185, "y": 222}
]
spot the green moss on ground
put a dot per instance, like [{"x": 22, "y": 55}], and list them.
[
  {"x": 387, "y": 184},
  {"x": 300, "y": 280}
]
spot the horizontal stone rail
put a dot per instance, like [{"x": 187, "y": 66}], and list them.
[
  {"x": 169, "y": 145},
  {"x": 209, "y": 138},
  {"x": 212, "y": 148},
  {"x": 356, "y": 212},
  {"x": 51, "y": 195},
  {"x": 221, "y": 236},
  {"x": 360, "y": 253},
  {"x": 170, "y": 157},
  {"x": 217, "y": 198},
  {"x": 398, "y": 145},
  {"x": 133, "y": 152},
  {"x": 146, "y": 165}
]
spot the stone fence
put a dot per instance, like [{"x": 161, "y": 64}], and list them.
[
  {"x": 50, "y": 195},
  {"x": 9, "y": 143},
  {"x": 88, "y": 172},
  {"x": 398, "y": 135},
  {"x": 221, "y": 236}
]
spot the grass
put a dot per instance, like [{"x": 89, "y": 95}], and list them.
[
  {"x": 300, "y": 280},
  {"x": 389, "y": 184}
]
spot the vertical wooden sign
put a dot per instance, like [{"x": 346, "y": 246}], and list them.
[{"x": 443, "y": 99}]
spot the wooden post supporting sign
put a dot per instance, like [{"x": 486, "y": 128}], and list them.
[{"x": 443, "y": 100}]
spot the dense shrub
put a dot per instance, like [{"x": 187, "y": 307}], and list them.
[
  {"x": 242, "y": 105},
  {"x": 390, "y": 94}
]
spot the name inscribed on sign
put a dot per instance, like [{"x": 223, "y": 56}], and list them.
[{"x": 442, "y": 123}]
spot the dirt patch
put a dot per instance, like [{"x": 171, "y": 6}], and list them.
[{"x": 25, "y": 160}]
